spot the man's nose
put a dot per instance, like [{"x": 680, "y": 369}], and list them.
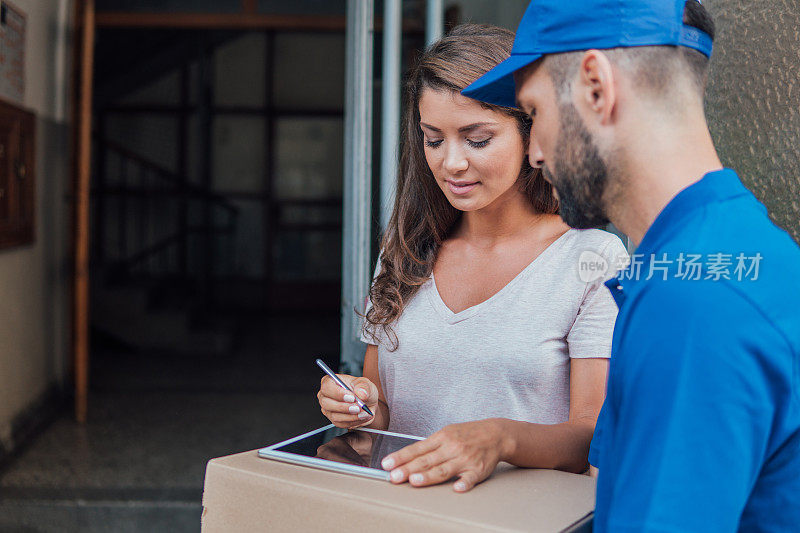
[{"x": 535, "y": 155}]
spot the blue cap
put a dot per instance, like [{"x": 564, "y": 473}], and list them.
[{"x": 555, "y": 26}]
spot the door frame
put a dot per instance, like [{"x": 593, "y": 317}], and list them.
[{"x": 81, "y": 109}]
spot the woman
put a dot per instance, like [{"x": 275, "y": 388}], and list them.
[{"x": 480, "y": 333}]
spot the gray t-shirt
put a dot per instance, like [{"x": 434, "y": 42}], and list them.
[{"x": 508, "y": 356}]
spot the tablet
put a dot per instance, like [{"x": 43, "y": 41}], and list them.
[{"x": 356, "y": 451}]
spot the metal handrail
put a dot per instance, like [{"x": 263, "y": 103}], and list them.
[
  {"x": 165, "y": 243},
  {"x": 169, "y": 176},
  {"x": 158, "y": 183}
]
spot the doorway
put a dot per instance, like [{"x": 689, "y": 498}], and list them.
[{"x": 215, "y": 198}]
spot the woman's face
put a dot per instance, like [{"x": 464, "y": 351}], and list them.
[{"x": 475, "y": 153}]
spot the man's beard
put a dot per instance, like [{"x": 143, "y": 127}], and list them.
[{"x": 580, "y": 176}]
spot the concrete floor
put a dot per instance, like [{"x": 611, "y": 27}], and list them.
[{"x": 155, "y": 420}]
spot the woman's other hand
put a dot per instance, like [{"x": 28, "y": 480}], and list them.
[
  {"x": 340, "y": 406},
  {"x": 469, "y": 451}
]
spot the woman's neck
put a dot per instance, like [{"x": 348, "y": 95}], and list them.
[{"x": 507, "y": 217}]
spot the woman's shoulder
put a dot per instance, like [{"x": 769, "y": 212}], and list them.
[
  {"x": 593, "y": 246},
  {"x": 595, "y": 240}
]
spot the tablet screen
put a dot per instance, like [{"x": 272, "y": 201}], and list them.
[{"x": 354, "y": 447}]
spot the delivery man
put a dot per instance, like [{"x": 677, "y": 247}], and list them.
[{"x": 700, "y": 429}]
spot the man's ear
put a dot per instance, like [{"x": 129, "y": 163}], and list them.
[{"x": 595, "y": 87}]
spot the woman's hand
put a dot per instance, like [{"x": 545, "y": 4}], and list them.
[
  {"x": 340, "y": 406},
  {"x": 469, "y": 451}
]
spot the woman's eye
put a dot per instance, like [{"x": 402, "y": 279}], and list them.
[
  {"x": 478, "y": 144},
  {"x": 432, "y": 144}
]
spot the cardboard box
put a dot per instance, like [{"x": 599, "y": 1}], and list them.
[{"x": 244, "y": 492}]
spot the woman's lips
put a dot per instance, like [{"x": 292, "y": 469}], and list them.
[{"x": 461, "y": 187}]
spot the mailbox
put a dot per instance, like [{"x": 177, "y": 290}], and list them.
[{"x": 17, "y": 184}]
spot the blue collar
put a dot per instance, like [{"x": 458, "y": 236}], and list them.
[{"x": 715, "y": 186}]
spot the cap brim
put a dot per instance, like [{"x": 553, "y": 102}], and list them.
[{"x": 497, "y": 86}]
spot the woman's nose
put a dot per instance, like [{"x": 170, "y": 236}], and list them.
[{"x": 455, "y": 161}]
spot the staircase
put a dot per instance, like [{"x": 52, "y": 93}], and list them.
[
  {"x": 127, "y": 313},
  {"x": 153, "y": 274}
]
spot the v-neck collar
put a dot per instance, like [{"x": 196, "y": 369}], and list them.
[{"x": 452, "y": 318}]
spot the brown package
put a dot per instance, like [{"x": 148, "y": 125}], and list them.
[{"x": 244, "y": 492}]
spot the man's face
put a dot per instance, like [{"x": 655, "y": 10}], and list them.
[{"x": 564, "y": 148}]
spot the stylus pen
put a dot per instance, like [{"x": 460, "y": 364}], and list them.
[{"x": 339, "y": 382}]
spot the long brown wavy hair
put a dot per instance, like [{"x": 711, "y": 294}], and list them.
[{"x": 423, "y": 218}]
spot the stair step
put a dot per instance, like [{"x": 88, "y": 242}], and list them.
[
  {"x": 122, "y": 313},
  {"x": 123, "y": 299},
  {"x": 83, "y": 516}
]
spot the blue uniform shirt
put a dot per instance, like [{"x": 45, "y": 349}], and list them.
[{"x": 700, "y": 430}]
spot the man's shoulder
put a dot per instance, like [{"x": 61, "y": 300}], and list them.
[
  {"x": 740, "y": 223},
  {"x": 732, "y": 259},
  {"x": 705, "y": 314},
  {"x": 691, "y": 297}
]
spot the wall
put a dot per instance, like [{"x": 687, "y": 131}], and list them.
[
  {"x": 754, "y": 100},
  {"x": 34, "y": 278},
  {"x": 505, "y": 14}
]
